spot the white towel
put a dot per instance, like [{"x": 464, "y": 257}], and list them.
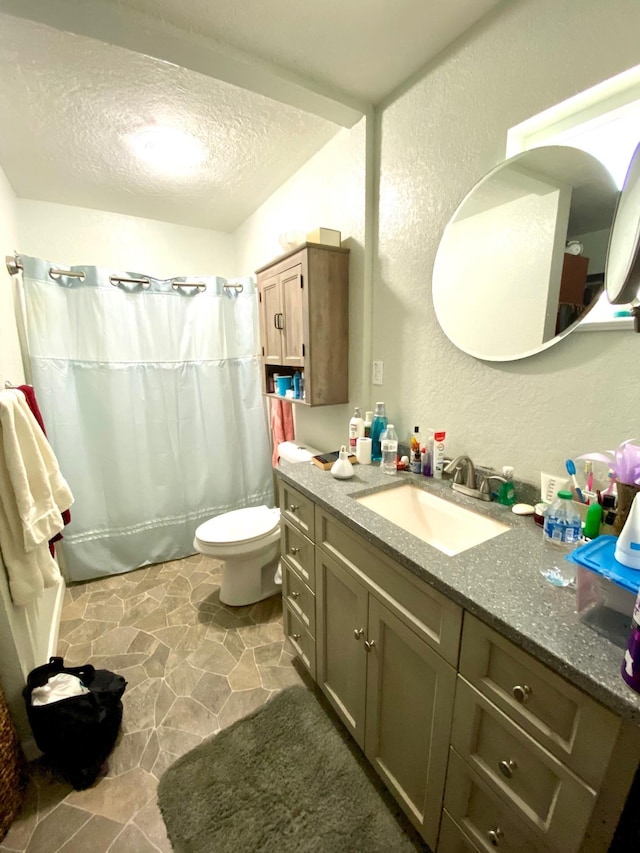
[{"x": 33, "y": 494}]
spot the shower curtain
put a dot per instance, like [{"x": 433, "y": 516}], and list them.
[{"x": 152, "y": 402}]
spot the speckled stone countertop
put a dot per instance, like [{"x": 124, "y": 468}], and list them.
[{"x": 498, "y": 580}]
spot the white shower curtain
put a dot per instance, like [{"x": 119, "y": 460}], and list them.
[{"x": 152, "y": 402}]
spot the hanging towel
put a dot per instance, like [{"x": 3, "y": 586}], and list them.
[
  {"x": 32, "y": 402},
  {"x": 33, "y": 494},
  {"x": 282, "y": 428}
]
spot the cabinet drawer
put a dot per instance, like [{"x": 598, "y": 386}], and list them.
[
  {"x": 568, "y": 723},
  {"x": 545, "y": 794},
  {"x": 297, "y": 509},
  {"x": 300, "y": 639},
  {"x": 299, "y": 553},
  {"x": 299, "y": 597},
  {"x": 477, "y": 815},
  {"x": 437, "y": 619}
]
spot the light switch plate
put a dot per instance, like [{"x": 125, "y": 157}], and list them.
[{"x": 376, "y": 378}]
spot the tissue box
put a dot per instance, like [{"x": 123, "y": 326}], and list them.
[{"x": 324, "y": 236}]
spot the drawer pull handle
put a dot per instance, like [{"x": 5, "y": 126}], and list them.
[
  {"x": 295, "y": 594},
  {"x": 358, "y": 632},
  {"x": 495, "y": 835},
  {"x": 296, "y": 636},
  {"x": 521, "y": 693},
  {"x": 293, "y": 507},
  {"x": 294, "y": 550},
  {"x": 507, "y": 768},
  {"x": 369, "y": 644}
]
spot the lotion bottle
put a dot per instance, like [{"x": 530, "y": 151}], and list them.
[{"x": 356, "y": 430}]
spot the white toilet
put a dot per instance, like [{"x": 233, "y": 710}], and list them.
[{"x": 248, "y": 540}]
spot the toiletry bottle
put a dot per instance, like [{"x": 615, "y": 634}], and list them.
[
  {"x": 427, "y": 455},
  {"x": 378, "y": 426},
  {"x": 507, "y": 492},
  {"x": 296, "y": 385},
  {"x": 356, "y": 430},
  {"x": 368, "y": 417},
  {"x": 438, "y": 454},
  {"x": 389, "y": 447},
  {"x": 631, "y": 661},
  {"x": 415, "y": 455}
]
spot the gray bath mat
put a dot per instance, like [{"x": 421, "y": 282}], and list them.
[{"x": 286, "y": 779}]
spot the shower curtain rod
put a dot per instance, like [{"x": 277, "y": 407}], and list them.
[{"x": 14, "y": 266}]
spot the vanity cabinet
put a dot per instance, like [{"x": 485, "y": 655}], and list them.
[
  {"x": 298, "y": 574},
  {"x": 532, "y": 759},
  {"x": 377, "y": 664},
  {"x": 482, "y": 745},
  {"x": 304, "y": 322}
]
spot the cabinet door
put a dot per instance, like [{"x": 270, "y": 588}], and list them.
[
  {"x": 341, "y": 621},
  {"x": 410, "y": 691},
  {"x": 293, "y": 317},
  {"x": 271, "y": 320}
]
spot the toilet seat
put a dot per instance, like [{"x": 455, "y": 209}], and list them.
[{"x": 239, "y": 526}]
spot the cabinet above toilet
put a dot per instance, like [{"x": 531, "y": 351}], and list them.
[{"x": 304, "y": 322}]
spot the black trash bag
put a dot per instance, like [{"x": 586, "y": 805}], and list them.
[{"x": 77, "y": 733}]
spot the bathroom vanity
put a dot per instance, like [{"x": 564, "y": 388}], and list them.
[{"x": 495, "y": 717}]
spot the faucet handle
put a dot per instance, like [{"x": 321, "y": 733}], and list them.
[{"x": 484, "y": 485}]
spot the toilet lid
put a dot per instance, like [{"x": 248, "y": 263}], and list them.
[{"x": 240, "y": 525}]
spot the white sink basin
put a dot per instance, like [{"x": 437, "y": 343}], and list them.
[{"x": 450, "y": 528}]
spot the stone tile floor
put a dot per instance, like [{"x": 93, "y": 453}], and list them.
[{"x": 193, "y": 667}]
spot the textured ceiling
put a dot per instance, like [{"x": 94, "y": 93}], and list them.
[
  {"x": 366, "y": 48},
  {"x": 263, "y": 83}
]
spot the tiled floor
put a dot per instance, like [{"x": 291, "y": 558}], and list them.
[{"x": 193, "y": 667}]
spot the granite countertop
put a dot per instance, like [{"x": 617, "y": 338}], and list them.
[{"x": 498, "y": 581}]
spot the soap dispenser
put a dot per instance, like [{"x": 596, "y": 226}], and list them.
[
  {"x": 507, "y": 492},
  {"x": 342, "y": 469}
]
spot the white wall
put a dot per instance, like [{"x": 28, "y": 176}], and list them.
[
  {"x": 80, "y": 236},
  {"x": 10, "y": 359},
  {"x": 438, "y": 136},
  {"x": 328, "y": 191}
]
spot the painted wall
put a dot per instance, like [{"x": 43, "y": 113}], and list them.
[
  {"x": 10, "y": 359},
  {"x": 78, "y": 235},
  {"x": 437, "y": 137},
  {"x": 328, "y": 191}
]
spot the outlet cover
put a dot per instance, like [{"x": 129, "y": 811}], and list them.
[{"x": 377, "y": 373}]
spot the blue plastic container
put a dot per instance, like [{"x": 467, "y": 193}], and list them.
[{"x": 284, "y": 385}]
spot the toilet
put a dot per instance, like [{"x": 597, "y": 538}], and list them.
[{"x": 248, "y": 541}]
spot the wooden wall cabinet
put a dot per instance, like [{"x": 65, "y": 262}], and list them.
[{"x": 304, "y": 322}]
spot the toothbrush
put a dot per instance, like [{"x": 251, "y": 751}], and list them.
[
  {"x": 588, "y": 470},
  {"x": 571, "y": 470}
]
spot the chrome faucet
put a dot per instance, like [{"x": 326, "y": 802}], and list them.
[
  {"x": 464, "y": 479},
  {"x": 464, "y": 472}
]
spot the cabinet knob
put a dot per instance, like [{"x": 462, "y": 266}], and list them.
[
  {"x": 369, "y": 644},
  {"x": 507, "y": 767},
  {"x": 296, "y": 636},
  {"x": 495, "y": 835},
  {"x": 521, "y": 693},
  {"x": 295, "y": 594},
  {"x": 293, "y": 507},
  {"x": 358, "y": 632},
  {"x": 294, "y": 550}
]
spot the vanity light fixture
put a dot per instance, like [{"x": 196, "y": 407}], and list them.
[{"x": 167, "y": 150}]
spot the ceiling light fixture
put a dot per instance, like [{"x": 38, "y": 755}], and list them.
[{"x": 167, "y": 149}]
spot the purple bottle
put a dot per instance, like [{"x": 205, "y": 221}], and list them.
[{"x": 631, "y": 660}]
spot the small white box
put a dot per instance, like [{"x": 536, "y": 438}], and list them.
[{"x": 324, "y": 236}]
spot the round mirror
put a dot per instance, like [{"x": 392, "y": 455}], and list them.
[
  {"x": 622, "y": 275},
  {"x": 523, "y": 257}
]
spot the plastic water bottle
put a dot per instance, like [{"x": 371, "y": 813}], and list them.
[
  {"x": 562, "y": 533},
  {"x": 389, "y": 445},
  {"x": 631, "y": 660},
  {"x": 378, "y": 426}
]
